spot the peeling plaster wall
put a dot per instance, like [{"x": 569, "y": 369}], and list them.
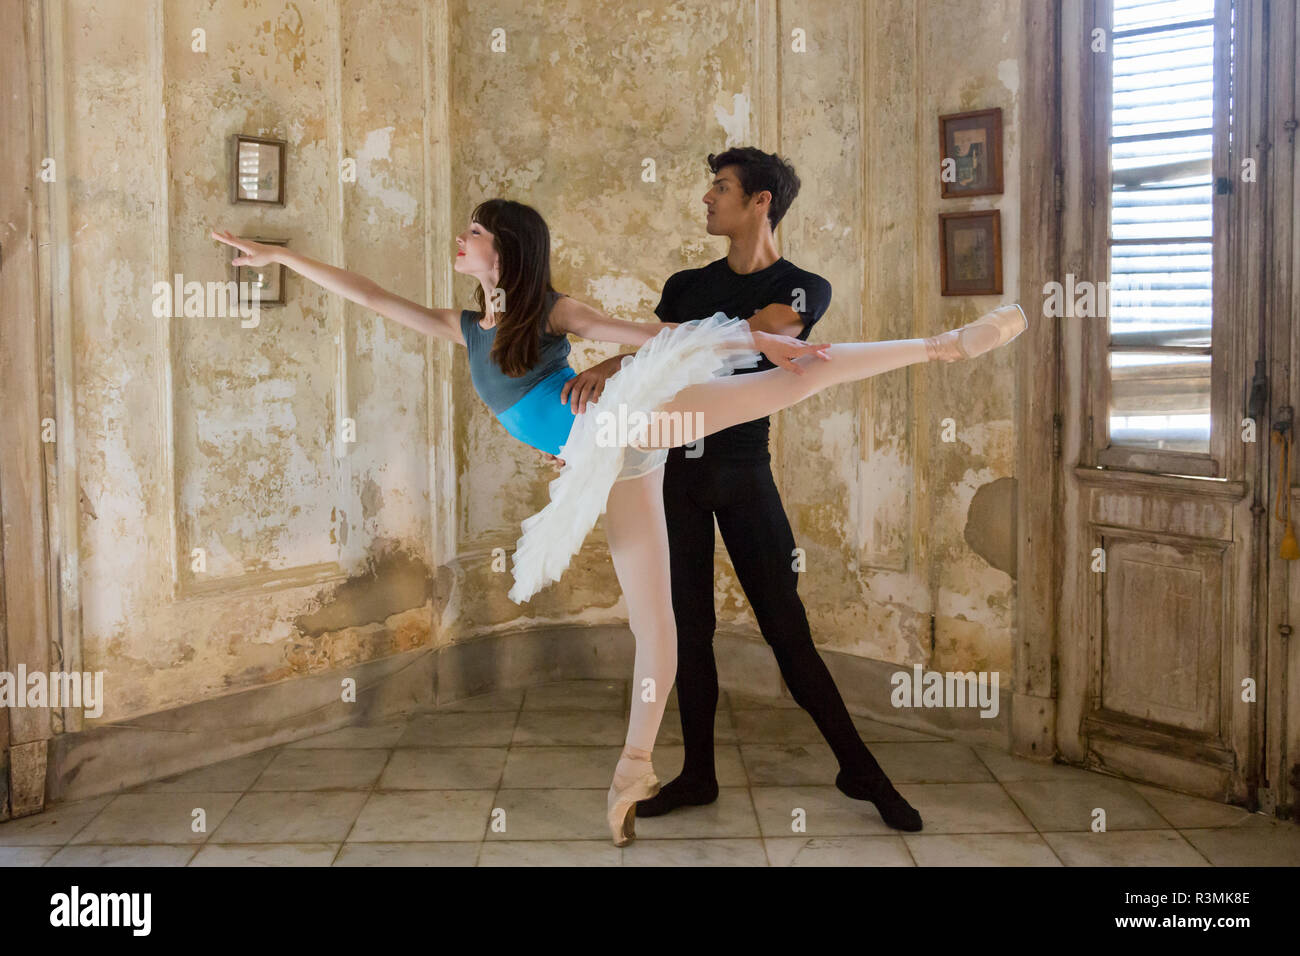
[
  {"x": 880, "y": 501},
  {"x": 249, "y": 471},
  {"x": 195, "y": 433},
  {"x": 564, "y": 119}
]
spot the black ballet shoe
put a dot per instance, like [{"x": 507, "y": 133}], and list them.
[
  {"x": 894, "y": 810},
  {"x": 680, "y": 792}
]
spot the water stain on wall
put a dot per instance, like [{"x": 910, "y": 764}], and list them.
[
  {"x": 991, "y": 524},
  {"x": 393, "y": 583}
]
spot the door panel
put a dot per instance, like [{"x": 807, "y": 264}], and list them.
[{"x": 1162, "y": 609}]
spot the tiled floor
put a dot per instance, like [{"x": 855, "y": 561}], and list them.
[{"x": 520, "y": 777}]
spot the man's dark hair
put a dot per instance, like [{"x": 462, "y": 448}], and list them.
[{"x": 757, "y": 171}]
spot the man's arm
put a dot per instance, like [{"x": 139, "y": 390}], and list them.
[
  {"x": 587, "y": 385},
  {"x": 777, "y": 319},
  {"x": 810, "y": 292}
]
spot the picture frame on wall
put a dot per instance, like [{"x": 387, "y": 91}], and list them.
[
  {"x": 257, "y": 167},
  {"x": 970, "y": 252},
  {"x": 973, "y": 143},
  {"x": 269, "y": 278}
]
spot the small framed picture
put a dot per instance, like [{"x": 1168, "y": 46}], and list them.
[
  {"x": 257, "y": 170},
  {"x": 970, "y": 146},
  {"x": 970, "y": 252},
  {"x": 269, "y": 279}
]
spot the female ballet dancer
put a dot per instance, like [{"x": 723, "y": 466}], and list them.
[{"x": 507, "y": 247}]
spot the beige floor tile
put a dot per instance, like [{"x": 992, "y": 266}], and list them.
[
  {"x": 444, "y": 768},
  {"x": 670, "y": 731},
  {"x": 789, "y": 765},
  {"x": 727, "y": 765},
  {"x": 381, "y": 735},
  {"x": 753, "y": 702},
  {"x": 144, "y": 855},
  {"x": 550, "y": 853},
  {"x": 471, "y": 729},
  {"x": 724, "y": 700},
  {"x": 560, "y": 728},
  {"x": 55, "y": 825},
  {"x": 148, "y": 855},
  {"x": 961, "y": 808},
  {"x": 228, "y": 776},
  {"x": 731, "y": 815},
  {"x": 328, "y": 769},
  {"x": 825, "y": 812},
  {"x": 551, "y": 815},
  {"x": 980, "y": 849},
  {"x": 735, "y": 852},
  {"x": 838, "y": 851},
  {"x": 510, "y": 700},
  {"x": 1275, "y": 845},
  {"x": 775, "y": 727},
  {"x": 1183, "y": 810},
  {"x": 26, "y": 855},
  {"x": 267, "y": 854},
  {"x": 426, "y": 816},
  {"x": 1124, "y": 848},
  {"x": 308, "y": 816},
  {"x": 157, "y": 818},
  {"x": 814, "y": 763},
  {"x": 873, "y": 731},
  {"x": 577, "y": 695},
  {"x": 1006, "y": 767},
  {"x": 931, "y": 762},
  {"x": 549, "y": 768},
  {"x": 424, "y": 788},
  {"x": 1054, "y": 805},
  {"x": 409, "y": 854}
]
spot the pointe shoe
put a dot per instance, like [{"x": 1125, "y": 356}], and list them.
[
  {"x": 620, "y": 805},
  {"x": 989, "y": 331}
]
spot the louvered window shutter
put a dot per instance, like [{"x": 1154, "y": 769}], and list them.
[{"x": 1159, "y": 298}]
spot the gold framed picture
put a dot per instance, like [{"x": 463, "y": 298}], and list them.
[{"x": 970, "y": 252}]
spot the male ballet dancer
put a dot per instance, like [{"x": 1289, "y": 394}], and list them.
[{"x": 730, "y": 477}]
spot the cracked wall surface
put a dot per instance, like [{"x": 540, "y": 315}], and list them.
[
  {"x": 197, "y": 433},
  {"x": 898, "y": 524},
  {"x": 229, "y": 538}
]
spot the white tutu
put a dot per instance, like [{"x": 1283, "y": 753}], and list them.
[{"x": 691, "y": 353}]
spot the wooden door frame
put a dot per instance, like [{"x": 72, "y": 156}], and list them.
[
  {"x": 1044, "y": 721},
  {"x": 1038, "y": 578},
  {"x": 28, "y": 589},
  {"x": 1275, "y": 145}
]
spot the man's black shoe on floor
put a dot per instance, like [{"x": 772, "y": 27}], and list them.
[
  {"x": 680, "y": 792},
  {"x": 894, "y": 810}
]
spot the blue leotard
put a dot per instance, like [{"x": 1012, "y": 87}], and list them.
[{"x": 529, "y": 406}]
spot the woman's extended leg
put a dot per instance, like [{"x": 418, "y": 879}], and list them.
[
  {"x": 700, "y": 410},
  {"x": 638, "y": 544}
]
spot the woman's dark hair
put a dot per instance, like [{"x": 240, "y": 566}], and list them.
[
  {"x": 523, "y": 242},
  {"x": 757, "y": 171}
]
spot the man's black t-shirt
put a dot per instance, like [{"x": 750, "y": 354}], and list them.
[{"x": 698, "y": 293}]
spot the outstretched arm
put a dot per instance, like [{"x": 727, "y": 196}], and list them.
[
  {"x": 570, "y": 316},
  {"x": 578, "y": 318},
  {"x": 442, "y": 323}
]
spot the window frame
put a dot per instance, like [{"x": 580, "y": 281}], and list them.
[{"x": 1216, "y": 462}]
